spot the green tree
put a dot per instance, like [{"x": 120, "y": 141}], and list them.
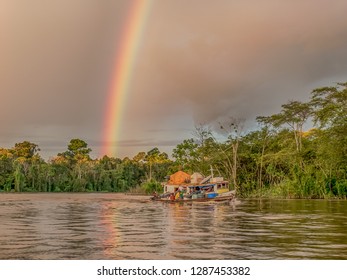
[
  {"x": 233, "y": 129},
  {"x": 186, "y": 155},
  {"x": 140, "y": 157},
  {"x": 153, "y": 158},
  {"x": 330, "y": 114},
  {"x": 294, "y": 114},
  {"x": 330, "y": 106},
  {"x": 78, "y": 150},
  {"x": 26, "y": 150},
  {"x": 6, "y": 169}
]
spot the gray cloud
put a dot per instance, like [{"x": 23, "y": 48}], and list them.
[
  {"x": 198, "y": 62},
  {"x": 243, "y": 57},
  {"x": 57, "y": 57}
]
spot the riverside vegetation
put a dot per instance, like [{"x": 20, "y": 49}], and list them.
[{"x": 279, "y": 159}]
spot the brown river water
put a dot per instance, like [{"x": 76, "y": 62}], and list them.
[{"x": 116, "y": 226}]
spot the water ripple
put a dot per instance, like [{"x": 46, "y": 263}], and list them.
[{"x": 114, "y": 226}]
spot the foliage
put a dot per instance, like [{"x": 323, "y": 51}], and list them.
[
  {"x": 279, "y": 159},
  {"x": 23, "y": 170},
  {"x": 151, "y": 187}
]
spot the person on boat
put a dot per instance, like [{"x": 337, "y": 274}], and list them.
[
  {"x": 177, "y": 195},
  {"x": 172, "y": 196}
]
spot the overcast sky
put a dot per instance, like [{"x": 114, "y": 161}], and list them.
[{"x": 199, "y": 62}]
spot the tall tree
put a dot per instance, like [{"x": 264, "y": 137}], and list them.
[
  {"x": 294, "y": 114},
  {"x": 153, "y": 157},
  {"x": 186, "y": 155},
  {"x": 26, "y": 150},
  {"x": 330, "y": 106},
  {"x": 233, "y": 129},
  {"x": 78, "y": 149}
]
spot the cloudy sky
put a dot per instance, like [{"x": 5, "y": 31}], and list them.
[{"x": 199, "y": 61}]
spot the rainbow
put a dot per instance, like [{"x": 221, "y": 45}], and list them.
[{"x": 122, "y": 74}]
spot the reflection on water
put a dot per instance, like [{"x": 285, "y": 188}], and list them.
[{"x": 114, "y": 226}]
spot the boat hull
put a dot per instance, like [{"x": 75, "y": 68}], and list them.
[{"x": 204, "y": 199}]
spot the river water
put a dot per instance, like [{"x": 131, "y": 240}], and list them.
[{"x": 115, "y": 226}]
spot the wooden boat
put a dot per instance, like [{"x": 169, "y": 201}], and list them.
[
  {"x": 219, "y": 198},
  {"x": 207, "y": 189}
]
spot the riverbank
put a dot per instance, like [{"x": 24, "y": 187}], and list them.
[
  {"x": 74, "y": 196},
  {"x": 290, "y": 192}
]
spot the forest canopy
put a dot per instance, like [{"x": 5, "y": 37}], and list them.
[{"x": 278, "y": 159}]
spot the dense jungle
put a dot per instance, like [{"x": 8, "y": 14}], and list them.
[{"x": 300, "y": 152}]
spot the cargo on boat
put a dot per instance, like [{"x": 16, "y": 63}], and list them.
[{"x": 183, "y": 187}]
